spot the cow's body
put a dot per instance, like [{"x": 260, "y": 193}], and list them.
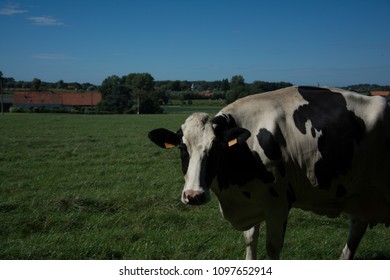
[{"x": 323, "y": 150}]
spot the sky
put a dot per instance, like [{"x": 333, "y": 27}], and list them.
[{"x": 305, "y": 42}]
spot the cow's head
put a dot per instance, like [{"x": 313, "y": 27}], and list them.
[{"x": 201, "y": 140}]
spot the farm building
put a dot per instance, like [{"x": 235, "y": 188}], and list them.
[
  {"x": 384, "y": 93},
  {"x": 61, "y": 100},
  {"x": 207, "y": 94}
]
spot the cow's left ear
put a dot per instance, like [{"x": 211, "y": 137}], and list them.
[
  {"x": 236, "y": 135},
  {"x": 164, "y": 138}
]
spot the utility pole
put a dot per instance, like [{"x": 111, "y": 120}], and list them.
[
  {"x": 1, "y": 92},
  {"x": 138, "y": 104}
]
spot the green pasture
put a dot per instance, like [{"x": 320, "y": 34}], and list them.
[
  {"x": 95, "y": 187},
  {"x": 189, "y": 106}
]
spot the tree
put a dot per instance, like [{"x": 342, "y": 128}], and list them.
[
  {"x": 123, "y": 95},
  {"x": 238, "y": 89},
  {"x": 149, "y": 104},
  {"x": 260, "y": 86},
  {"x": 143, "y": 92},
  {"x": 140, "y": 81},
  {"x": 9, "y": 82},
  {"x": 162, "y": 96},
  {"x": 174, "y": 85},
  {"x": 60, "y": 84},
  {"x": 36, "y": 84},
  {"x": 115, "y": 95},
  {"x": 225, "y": 85}
]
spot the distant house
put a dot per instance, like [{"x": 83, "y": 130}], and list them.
[
  {"x": 51, "y": 99},
  {"x": 207, "y": 94}
]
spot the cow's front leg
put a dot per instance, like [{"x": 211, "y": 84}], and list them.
[
  {"x": 357, "y": 229},
  {"x": 275, "y": 237},
  {"x": 276, "y": 222},
  {"x": 251, "y": 237}
]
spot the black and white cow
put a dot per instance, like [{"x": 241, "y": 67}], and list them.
[{"x": 318, "y": 149}]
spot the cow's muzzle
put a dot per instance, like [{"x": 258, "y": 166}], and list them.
[{"x": 195, "y": 197}]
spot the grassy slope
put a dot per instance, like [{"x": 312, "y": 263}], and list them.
[{"x": 94, "y": 187}]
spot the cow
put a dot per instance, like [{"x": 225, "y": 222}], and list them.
[{"x": 324, "y": 150}]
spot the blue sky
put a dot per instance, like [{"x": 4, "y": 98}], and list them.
[{"x": 333, "y": 42}]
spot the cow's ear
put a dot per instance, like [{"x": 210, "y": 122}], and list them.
[
  {"x": 236, "y": 135},
  {"x": 164, "y": 138}
]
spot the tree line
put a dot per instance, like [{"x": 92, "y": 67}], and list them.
[
  {"x": 39, "y": 85},
  {"x": 140, "y": 93}
]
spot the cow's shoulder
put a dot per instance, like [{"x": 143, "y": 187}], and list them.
[{"x": 371, "y": 109}]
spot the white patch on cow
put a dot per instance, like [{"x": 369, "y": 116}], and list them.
[
  {"x": 369, "y": 109},
  {"x": 198, "y": 136}
]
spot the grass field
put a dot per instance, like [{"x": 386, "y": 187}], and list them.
[{"x": 94, "y": 187}]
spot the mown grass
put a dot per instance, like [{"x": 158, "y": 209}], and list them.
[{"x": 94, "y": 187}]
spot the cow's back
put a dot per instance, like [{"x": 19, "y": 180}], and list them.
[{"x": 329, "y": 146}]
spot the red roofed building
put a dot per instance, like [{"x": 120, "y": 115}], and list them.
[
  {"x": 50, "y": 99},
  {"x": 81, "y": 99},
  {"x": 208, "y": 94},
  {"x": 383, "y": 93}
]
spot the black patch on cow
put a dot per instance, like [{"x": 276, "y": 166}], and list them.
[
  {"x": 273, "y": 192},
  {"x": 184, "y": 155},
  {"x": 269, "y": 145},
  {"x": 284, "y": 228},
  {"x": 262, "y": 173},
  {"x": 185, "y": 158},
  {"x": 235, "y": 165},
  {"x": 212, "y": 162},
  {"x": 282, "y": 169},
  {"x": 247, "y": 195},
  {"x": 223, "y": 123},
  {"x": 387, "y": 145},
  {"x": 291, "y": 198},
  {"x": 341, "y": 191},
  {"x": 313, "y": 131},
  {"x": 341, "y": 129},
  {"x": 238, "y": 166}
]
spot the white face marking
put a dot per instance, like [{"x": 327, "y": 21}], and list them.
[{"x": 198, "y": 136}]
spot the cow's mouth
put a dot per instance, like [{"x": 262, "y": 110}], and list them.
[{"x": 195, "y": 197}]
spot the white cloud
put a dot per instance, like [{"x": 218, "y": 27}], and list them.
[
  {"x": 12, "y": 9},
  {"x": 46, "y": 20},
  {"x": 51, "y": 56}
]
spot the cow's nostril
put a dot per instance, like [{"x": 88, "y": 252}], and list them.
[{"x": 194, "y": 197}]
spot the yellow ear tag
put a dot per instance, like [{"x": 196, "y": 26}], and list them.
[
  {"x": 232, "y": 142},
  {"x": 169, "y": 146}
]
